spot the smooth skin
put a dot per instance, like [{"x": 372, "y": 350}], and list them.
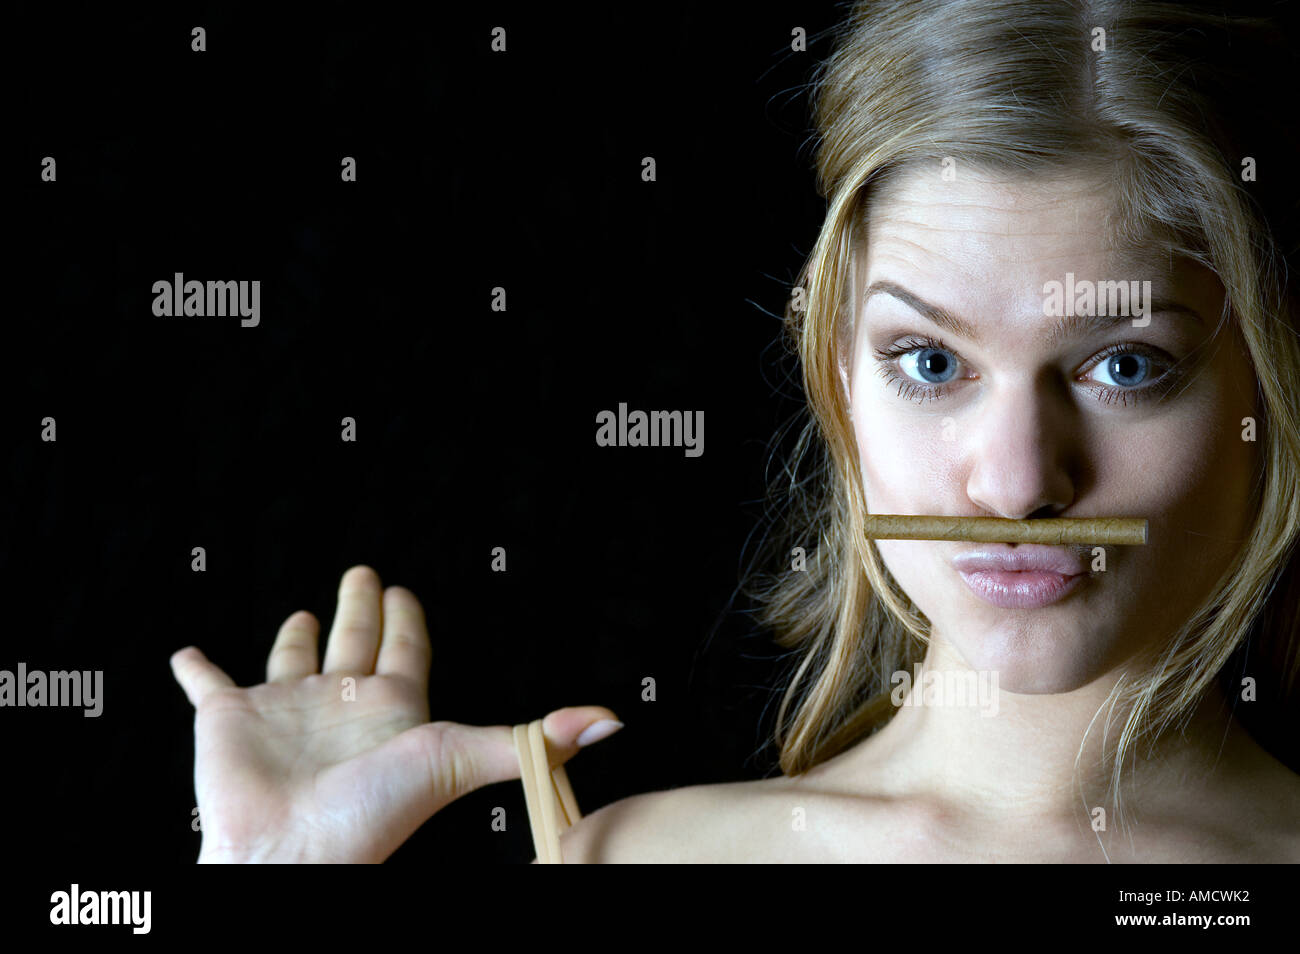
[{"x": 287, "y": 771}]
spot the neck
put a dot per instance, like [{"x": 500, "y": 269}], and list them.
[{"x": 1013, "y": 756}]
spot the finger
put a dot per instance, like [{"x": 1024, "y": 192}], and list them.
[
  {"x": 197, "y": 676},
  {"x": 354, "y": 635},
  {"x": 294, "y": 654},
  {"x": 566, "y": 728},
  {"x": 404, "y": 649},
  {"x": 463, "y": 758}
]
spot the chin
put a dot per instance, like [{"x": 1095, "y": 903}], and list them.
[{"x": 1030, "y": 657}]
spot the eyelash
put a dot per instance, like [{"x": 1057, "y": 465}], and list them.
[{"x": 916, "y": 391}]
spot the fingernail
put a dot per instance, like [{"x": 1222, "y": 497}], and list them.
[{"x": 597, "y": 731}]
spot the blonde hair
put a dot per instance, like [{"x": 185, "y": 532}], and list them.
[{"x": 1166, "y": 113}]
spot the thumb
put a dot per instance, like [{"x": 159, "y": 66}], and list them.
[{"x": 429, "y": 766}]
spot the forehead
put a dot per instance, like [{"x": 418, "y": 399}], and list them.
[
  {"x": 997, "y": 235},
  {"x": 986, "y": 244}
]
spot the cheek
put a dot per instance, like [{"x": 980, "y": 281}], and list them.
[
  {"x": 907, "y": 465},
  {"x": 1195, "y": 490},
  {"x": 1192, "y": 468},
  {"x": 1190, "y": 471}
]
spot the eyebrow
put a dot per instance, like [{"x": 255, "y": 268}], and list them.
[{"x": 1068, "y": 326}]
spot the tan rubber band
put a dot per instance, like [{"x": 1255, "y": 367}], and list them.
[
  {"x": 524, "y": 753},
  {"x": 546, "y": 802},
  {"x": 570, "y": 804},
  {"x": 552, "y": 809},
  {"x": 1117, "y": 531}
]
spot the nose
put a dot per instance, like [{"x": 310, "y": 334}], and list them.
[{"x": 1021, "y": 450}]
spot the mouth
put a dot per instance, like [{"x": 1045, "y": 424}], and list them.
[
  {"x": 1026, "y": 577},
  {"x": 1023, "y": 589}
]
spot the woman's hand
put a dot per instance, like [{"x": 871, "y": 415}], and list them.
[{"x": 341, "y": 765}]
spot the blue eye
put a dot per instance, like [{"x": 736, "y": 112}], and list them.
[
  {"x": 929, "y": 365},
  {"x": 1124, "y": 370},
  {"x": 1124, "y": 373}
]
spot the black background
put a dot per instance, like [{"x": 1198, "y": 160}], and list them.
[{"x": 475, "y": 428}]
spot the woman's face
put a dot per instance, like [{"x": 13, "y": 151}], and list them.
[{"x": 1011, "y": 412}]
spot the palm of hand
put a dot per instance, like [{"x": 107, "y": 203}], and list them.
[{"x": 301, "y": 747}]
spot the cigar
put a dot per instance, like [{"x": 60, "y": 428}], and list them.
[{"x": 1126, "y": 531}]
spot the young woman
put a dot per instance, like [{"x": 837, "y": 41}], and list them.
[{"x": 977, "y": 158}]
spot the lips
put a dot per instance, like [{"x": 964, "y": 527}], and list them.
[
  {"x": 1027, "y": 557},
  {"x": 1026, "y": 577}
]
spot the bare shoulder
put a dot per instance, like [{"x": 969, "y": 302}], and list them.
[
  {"x": 680, "y": 825},
  {"x": 760, "y": 821},
  {"x": 812, "y": 819}
]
